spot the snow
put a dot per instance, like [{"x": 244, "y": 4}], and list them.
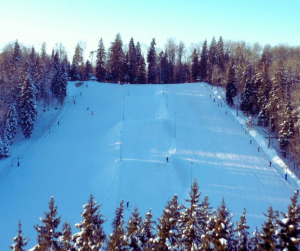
[{"x": 81, "y": 156}]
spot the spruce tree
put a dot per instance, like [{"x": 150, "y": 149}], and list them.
[
  {"x": 20, "y": 241},
  {"x": 116, "y": 239},
  {"x": 151, "y": 60},
  {"x": 88, "y": 71},
  {"x": 231, "y": 90},
  {"x": 11, "y": 124},
  {"x": 212, "y": 58},
  {"x": 6, "y": 147},
  {"x": 220, "y": 55},
  {"x": 91, "y": 236},
  {"x": 247, "y": 94},
  {"x": 243, "y": 240},
  {"x": 195, "y": 66},
  {"x": 101, "y": 62},
  {"x": 1, "y": 148},
  {"x": 48, "y": 237},
  {"x": 222, "y": 235},
  {"x": 267, "y": 237},
  {"x": 203, "y": 62},
  {"x": 132, "y": 60},
  {"x": 289, "y": 227},
  {"x": 133, "y": 231},
  {"x": 27, "y": 104},
  {"x": 66, "y": 238},
  {"x": 190, "y": 229},
  {"x": 116, "y": 58},
  {"x": 141, "y": 71},
  {"x": 146, "y": 232}
]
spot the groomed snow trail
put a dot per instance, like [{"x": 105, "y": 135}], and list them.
[{"x": 81, "y": 156}]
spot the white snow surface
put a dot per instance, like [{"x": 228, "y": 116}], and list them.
[{"x": 81, "y": 156}]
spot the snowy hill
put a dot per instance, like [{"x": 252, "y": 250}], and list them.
[{"x": 112, "y": 159}]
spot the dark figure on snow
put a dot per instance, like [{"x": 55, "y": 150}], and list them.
[
  {"x": 128, "y": 204},
  {"x": 88, "y": 108},
  {"x": 92, "y": 113},
  {"x": 214, "y": 100},
  {"x": 80, "y": 94},
  {"x": 167, "y": 159},
  {"x": 270, "y": 163},
  {"x": 74, "y": 102},
  {"x": 250, "y": 141},
  {"x": 258, "y": 149},
  {"x": 86, "y": 86},
  {"x": 58, "y": 122}
]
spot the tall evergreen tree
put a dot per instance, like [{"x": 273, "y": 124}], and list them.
[
  {"x": 66, "y": 238},
  {"x": 88, "y": 70},
  {"x": 11, "y": 124},
  {"x": 289, "y": 227},
  {"x": 146, "y": 232},
  {"x": 133, "y": 233},
  {"x": 27, "y": 104},
  {"x": 20, "y": 241},
  {"x": 101, "y": 62},
  {"x": 48, "y": 237},
  {"x": 151, "y": 59},
  {"x": 247, "y": 94},
  {"x": 132, "y": 60},
  {"x": 195, "y": 66},
  {"x": 243, "y": 238},
  {"x": 116, "y": 239},
  {"x": 220, "y": 55},
  {"x": 141, "y": 71},
  {"x": 231, "y": 89},
  {"x": 116, "y": 58},
  {"x": 203, "y": 62},
  {"x": 91, "y": 236}
]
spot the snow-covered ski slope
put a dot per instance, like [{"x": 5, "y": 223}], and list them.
[{"x": 81, "y": 156}]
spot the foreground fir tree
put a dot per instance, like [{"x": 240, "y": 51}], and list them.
[
  {"x": 116, "y": 239},
  {"x": 289, "y": 227},
  {"x": 101, "y": 62},
  {"x": 267, "y": 237},
  {"x": 146, "y": 232},
  {"x": 133, "y": 231},
  {"x": 167, "y": 228},
  {"x": 66, "y": 238},
  {"x": 243, "y": 242},
  {"x": 91, "y": 236},
  {"x": 19, "y": 241},
  {"x": 223, "y": 233},
  {"x": 207, "y": 223},
  {"x": 27, "y": 107},
  {"x": 48, "y": 236},
  {"x": 190, "y": 230},
  {"x": 231, "y": 90}
]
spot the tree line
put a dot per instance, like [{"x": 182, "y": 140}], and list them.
[{"x": 194, "y": 226}]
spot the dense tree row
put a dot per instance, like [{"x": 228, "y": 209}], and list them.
[
  {"x": 193, "y": 226},
  {"x": 26, "y": 78}
]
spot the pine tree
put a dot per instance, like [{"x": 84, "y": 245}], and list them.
[
  {"x": 117, "y": 58},
  {"x": 141, "y": 71},
  {"x": 101, "y": 62},
  {"x": 220, "y": 55},
  {"x": 20, "y": 241},
  {"x": 231, "y": 89},
  {"x": 151, "y": 59},
  {"x": 203, "y": 62},
  {"x": 243, "y": 239},
  {"x": 6, "y": 147},
  {"x": 146, "y": 232},
  {"x": 48, "y": 237},
  {"x": 88, "y": 70},
  {"x": 133, "y": 231},
  {"x": 287, "y": 126},
  {"x": 116, "y": 239},
  {"x": 132, "y": 61},
  {"x": 125, "y": 69},
  {"x": 247, "y": 94},
  {"x": 267, "y": 238},
  {"x": 11, "y": 124},
  {"x": 74, "y": 72},
  {"x": 27, "y": 104},
  {"x": 91, "y": 236},
  {"x": 66, "y": 238},
  {"x": 222, "y": 235},
  {"x": 195, "y": 66},
  {"x": 189, "y": 226},
  {"x": 289, "y": 227}
]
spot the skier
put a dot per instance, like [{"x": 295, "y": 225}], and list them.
[
  {"x": 58, "y": 122},
  {"x": 127, "y": 204},
  {"x": 74, "y": 102},
  {"x": 258, "y": 149},
  {"x": 92, "y": 113},
  {"x": 270, "y": 163},
  {"x": 167, "y": 159},
  {"x": 86, "y": 86},
  {"x": 88, "y": 108},
  {"x": 226, "y": 113},
  {"x": 80, "y": 94},
  {"x": 214, "y": 100},
  {"x": 285, "y": 176},
  {"x": 250, "y": 141}
]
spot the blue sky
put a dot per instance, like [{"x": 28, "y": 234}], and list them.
[{"x": 68, "y": 21}]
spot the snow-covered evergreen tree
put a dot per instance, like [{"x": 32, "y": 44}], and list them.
[
  {"x": 27, "y": 107},
  {"x": 146, "y": 232},
  {"x": 116, "y": 239},
  {"x": 267, "y": 237},
  {"x": 231, "y": 90},
  {"x": 91, "y": 235},
  {"x": 48, "y": 236},
  {"x": 66, "y": 238},
  {"x": 247, "y": 94},
  {"x": 223, "y": 233},
  {"x": 20, "y": 241},
  {"x": 11, "y": 124},
  {"x": 133, "y": 232},
  {"x": 151, "y": 60},
  {"x": 101, "y": 61},
  {"x": 190, "y": 229},
  {"x": 6, "y": 146},
  {"x": 243, "y": 242},
  {"x": 289, "y": 227}
]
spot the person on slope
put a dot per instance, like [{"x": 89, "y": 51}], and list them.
[{"x": 167, "y": 159}]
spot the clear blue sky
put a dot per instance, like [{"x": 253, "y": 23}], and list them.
[{"x": 68, "y": 21}]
